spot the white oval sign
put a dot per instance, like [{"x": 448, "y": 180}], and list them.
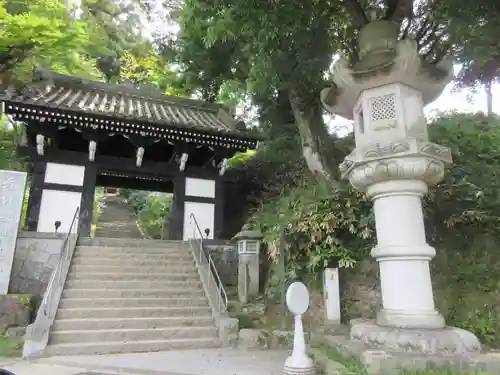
[{"x": 297, "y": 298}]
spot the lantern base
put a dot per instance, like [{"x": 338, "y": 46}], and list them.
[
  {"x": 299, "y": 365},
  {"x": 388, "y": 350}
]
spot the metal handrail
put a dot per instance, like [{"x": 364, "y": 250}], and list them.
[
  {"x": 222, "y": 300},
  {"x": 37, "y": 334},
  {"x": 57, "y": 274}
]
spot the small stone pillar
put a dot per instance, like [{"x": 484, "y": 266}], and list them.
[
  {"x": 248, "y": 263},
  {"x": 331, "y": 291},
  {"x": 394, "y": 163}
]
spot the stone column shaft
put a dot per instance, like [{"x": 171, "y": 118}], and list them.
[{"x": 403, "y": 255}]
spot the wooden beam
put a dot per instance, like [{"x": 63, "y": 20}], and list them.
[
  {"x": 134, "y": 184},
  {"x": 124, "y": 165}
]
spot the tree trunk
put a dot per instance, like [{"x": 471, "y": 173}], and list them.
[
  {"x": 276, "y": 116},
  {"x": 489, "y": 98},
  {"x": 314, "y": 136}
]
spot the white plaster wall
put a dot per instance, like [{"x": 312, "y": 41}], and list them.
[
  {"x": 65, "y": 174},
  {"x": 58, "y": 205},
  {"x": 197, "y": 187},
  {"x": 204, "y": 214}
]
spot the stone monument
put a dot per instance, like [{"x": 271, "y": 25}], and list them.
[
  {"x": 248, "y": 242},
  {"x": 394, "y": 163},
  {"x": 12, "y": 187},
  {"x": 299, "y": 363},
  {"x": 331, "y": 290}
]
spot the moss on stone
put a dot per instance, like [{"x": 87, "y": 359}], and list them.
[
  {"x": 10, "y": 347},
  {"x": 24, "y": 299}
]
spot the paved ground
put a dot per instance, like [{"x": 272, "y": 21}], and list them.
[{"x": 185, "y": 362}]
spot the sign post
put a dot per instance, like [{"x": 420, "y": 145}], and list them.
[{"x": 12, "y": 187}]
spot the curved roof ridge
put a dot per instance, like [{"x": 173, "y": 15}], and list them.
[{"x": 127, "y": 89}]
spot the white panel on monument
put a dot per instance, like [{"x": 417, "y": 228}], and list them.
[
  {"x": 57, "y": 205},
  {"x": 198, "y": 187},
  {"x": 331, "y": 289},
  {"x": 64, "y": 174},
  {"x": 12, "y": 187},
  {"x": 204, "y": 214}
]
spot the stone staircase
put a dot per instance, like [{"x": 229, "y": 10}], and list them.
[
  {"x": 130, "y": 295},
  {"x": 117, "y": 219}
]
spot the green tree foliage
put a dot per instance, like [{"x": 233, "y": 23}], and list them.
[
  {"x": 150, "y": 70},
  {"x": 473, "y": 34},
  {"x": 463, "y": 224},
  {"x": 153, "y": 210},
  {"x": 106, "y": 42},
  {"x": 41, "y": 33},
  {"x": 277, "y": 55},
  {"x": 8, "y": 138},
  {"x": 155, "y": 215}
]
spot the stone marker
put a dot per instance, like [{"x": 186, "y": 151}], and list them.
[
  {"x": 299, "y": 363},
  {"x": 12, "y": 185},
  {"x": 332, "y": 295}
]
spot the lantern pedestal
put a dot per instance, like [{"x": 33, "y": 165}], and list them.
[
  {"x": 248, "y": 278},
  {"x": 388, "y": 350},
  {"x": 394, "y": 164},
  {"x": 248, "y": 263}
]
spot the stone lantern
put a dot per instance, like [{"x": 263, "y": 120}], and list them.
[
  {"x": 394, "y": 163},
  {"x": 248, "y": 262}
]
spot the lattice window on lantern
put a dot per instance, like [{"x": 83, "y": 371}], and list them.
[{"x": 383, "y": 107}]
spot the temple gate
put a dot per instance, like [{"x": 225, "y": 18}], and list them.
[{"x": 80, "y": 134}]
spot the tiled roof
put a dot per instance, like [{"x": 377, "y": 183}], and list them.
[{"x": 123, "y": 102}]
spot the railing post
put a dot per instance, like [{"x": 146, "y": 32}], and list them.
[{"x": 219, "y": 296}]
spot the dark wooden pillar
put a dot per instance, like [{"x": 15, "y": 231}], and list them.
[
  {"x": 87, "y": 201},
  {"x": 219, "y": 208},
  {"x": 177, "y": 216},
  {"x": 35, "y": 197}
]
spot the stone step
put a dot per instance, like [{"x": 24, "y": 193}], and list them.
[
  {"x": 75, "y": 303},
  {"x": 150, "y": 268},
  {"x": 124, "y": 335},
  {"x": 131, "y": 323},
  {"x": 124, "y": 276},
  {"x": 130, "y": 347},
  {"x": 193, "y": 292},
  {"x": 133, "y": 312},
  {"x": 131, "y": 284},
  {"x": 159, "y": 251},
  {"x": 172, "y": 257},
  {"x": 133, "y": 261},
  {"x": 128, "y": 242}
]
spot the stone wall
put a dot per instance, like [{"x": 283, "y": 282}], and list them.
[
  {"x": 225, "y": 257},
  {"x": 34, "y": 260},
  {"x": 15, "y": 311},
  {"x": 360, "y": 291}
]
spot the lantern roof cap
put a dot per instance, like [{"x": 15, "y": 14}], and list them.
[{"x": 247, "y": 233}]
